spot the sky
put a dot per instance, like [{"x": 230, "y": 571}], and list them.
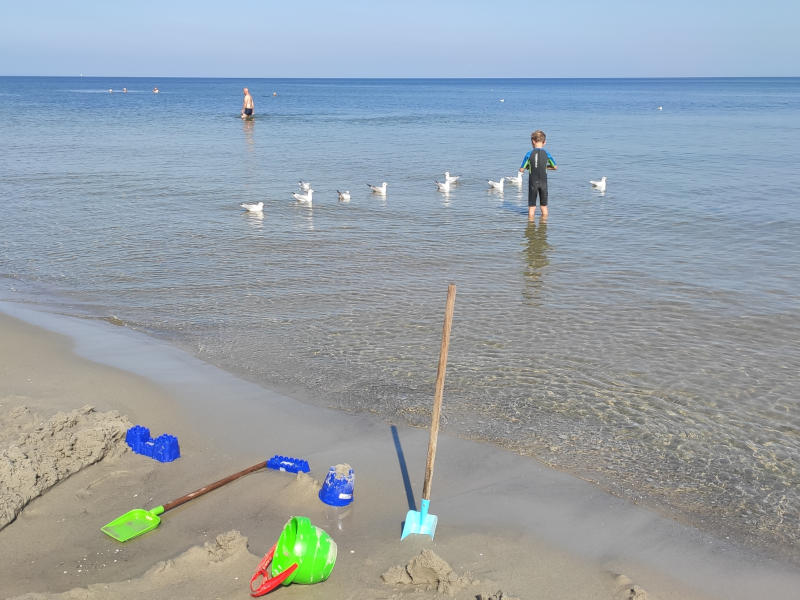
[{"x": 401, "y": 38}]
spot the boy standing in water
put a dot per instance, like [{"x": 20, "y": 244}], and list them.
[{"x": 537, "y": 161}]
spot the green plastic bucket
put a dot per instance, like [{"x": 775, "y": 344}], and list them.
[
  {"x": 309, "y": 547},
  {"x": 303, "y": 554}
]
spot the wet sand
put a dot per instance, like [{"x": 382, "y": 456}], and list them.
[{"x": 506, "y": 523}]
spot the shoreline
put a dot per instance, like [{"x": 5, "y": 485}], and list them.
[
  {"x": 493, "y": 506},
  {"x": 771, "y": 547}
]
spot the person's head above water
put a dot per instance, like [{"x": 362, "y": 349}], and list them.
[{"x": 538, "y": 136}]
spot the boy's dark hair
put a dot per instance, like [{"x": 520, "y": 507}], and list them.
[{"x": 538, "y": 136}]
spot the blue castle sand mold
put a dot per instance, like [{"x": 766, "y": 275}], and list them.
[
  {"x": 164, "y": 448},
  {"x": 337, "y": 489}
]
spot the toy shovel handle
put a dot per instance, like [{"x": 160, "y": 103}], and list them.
[
  {"x": 213, "y": 486},
  {"x": 269, "y": 583},
  {"x": 437, "y": 399}
]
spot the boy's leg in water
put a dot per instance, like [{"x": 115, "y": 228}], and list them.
[{"x": 543, "y": 200}]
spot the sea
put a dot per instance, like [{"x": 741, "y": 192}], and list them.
[{"x": 644, "y": 338}]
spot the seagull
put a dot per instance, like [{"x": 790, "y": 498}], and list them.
[
  {"x": 496, "y": 185},
  {"x": 599, "y": 185},
  {"x": 303, "y": 197},
  {"x": 517, "y": 179},
  {"x": 344, "y": 196},
  {"x": 450, "y": 178},
  {"x": 378, "y": 189},
  {"x": 443, "y": 187},
  {"x": 253, "y": 207},
  {"x": 304, "y": 185}
]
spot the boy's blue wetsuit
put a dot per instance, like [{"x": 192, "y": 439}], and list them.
[{"x": 536, "y": 162}]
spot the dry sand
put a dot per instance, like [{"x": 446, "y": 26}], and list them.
[
  {"x": 508, "y": 528},
  {"x": 36, "y": 454}
]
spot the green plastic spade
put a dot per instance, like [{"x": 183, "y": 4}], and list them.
[{"x": 138, "y": 521}]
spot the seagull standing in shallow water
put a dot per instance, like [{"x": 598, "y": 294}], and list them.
[
  {"x": 450, "y": 178},
  {"x": 304, "y": 186},
  {"x": 253, "y": 207},
  {"x": 443, "y": 186},
  {"x": 516, "y": 179},
  {"x": 303, "y": 197},
  {"x": 378, "y": 189},
  {"x": 344, "y": 196},
  {"x": 599, "y": 185},
  {"x": 496, "y": 185}
]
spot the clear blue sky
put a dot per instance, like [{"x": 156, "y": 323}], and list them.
[{"x": 401, "y": 38}]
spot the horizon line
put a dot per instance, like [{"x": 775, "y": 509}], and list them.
[{"x": 406, "y": 77}]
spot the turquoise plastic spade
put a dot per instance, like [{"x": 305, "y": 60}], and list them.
[
  {"x": 420, "y": 521},
  {"x": 423, "y": 522}
]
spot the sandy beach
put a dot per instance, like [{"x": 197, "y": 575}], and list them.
[{"x": 508, "y": 527}]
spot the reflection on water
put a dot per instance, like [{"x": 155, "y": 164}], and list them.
[
  {"x": 255, "y": 219},
  {"x": 305, "y": 213},
  {"x": 247, "y": 127},
  {"x": 536, "y": 257}
]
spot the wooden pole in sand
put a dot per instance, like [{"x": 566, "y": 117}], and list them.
[{"x": 437, "y": 399}]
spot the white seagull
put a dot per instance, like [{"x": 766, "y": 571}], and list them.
[
  {"x": 450, "y": 178},
  {"x": 344, "y": 196},
  {"x": 516, "y": 179},
  {"x": 496, "y": 185},
  {"x": 599, "y": 185},
  {"x": 443, "y": 186},
  {"x": 378, "y": 189},
  {"x": 253, "y": 207},
  {"x": 303, "y": 197},
  {"x": 304, "y": 186}
]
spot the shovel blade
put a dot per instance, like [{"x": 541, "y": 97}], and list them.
[
  {"x": 416, "y": 522},
  {"x": 133, "y": 523}
]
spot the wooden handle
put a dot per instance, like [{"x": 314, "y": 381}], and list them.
[
  {"x": 437, "y": 399},
  {"x": 213, "y": 486}
]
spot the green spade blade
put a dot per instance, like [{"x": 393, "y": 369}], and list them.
[{"x": 133, "y": 523}]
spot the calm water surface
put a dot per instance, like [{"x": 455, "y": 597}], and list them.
[{"x": 645, "y": 339}]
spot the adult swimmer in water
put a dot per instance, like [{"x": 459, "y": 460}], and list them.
[{"x": 247, "y": 105}]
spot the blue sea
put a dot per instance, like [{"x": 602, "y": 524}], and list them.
[{"x": 645, "y": 338}]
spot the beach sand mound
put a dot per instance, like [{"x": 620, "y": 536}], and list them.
[
  {"x": 628, "y": 590},
  {"x": 36, "y": 454},
  {"x": 302, "y": 488},
  {"x": 220, "y": 569},
  {"x": 428, "y": 571}
]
